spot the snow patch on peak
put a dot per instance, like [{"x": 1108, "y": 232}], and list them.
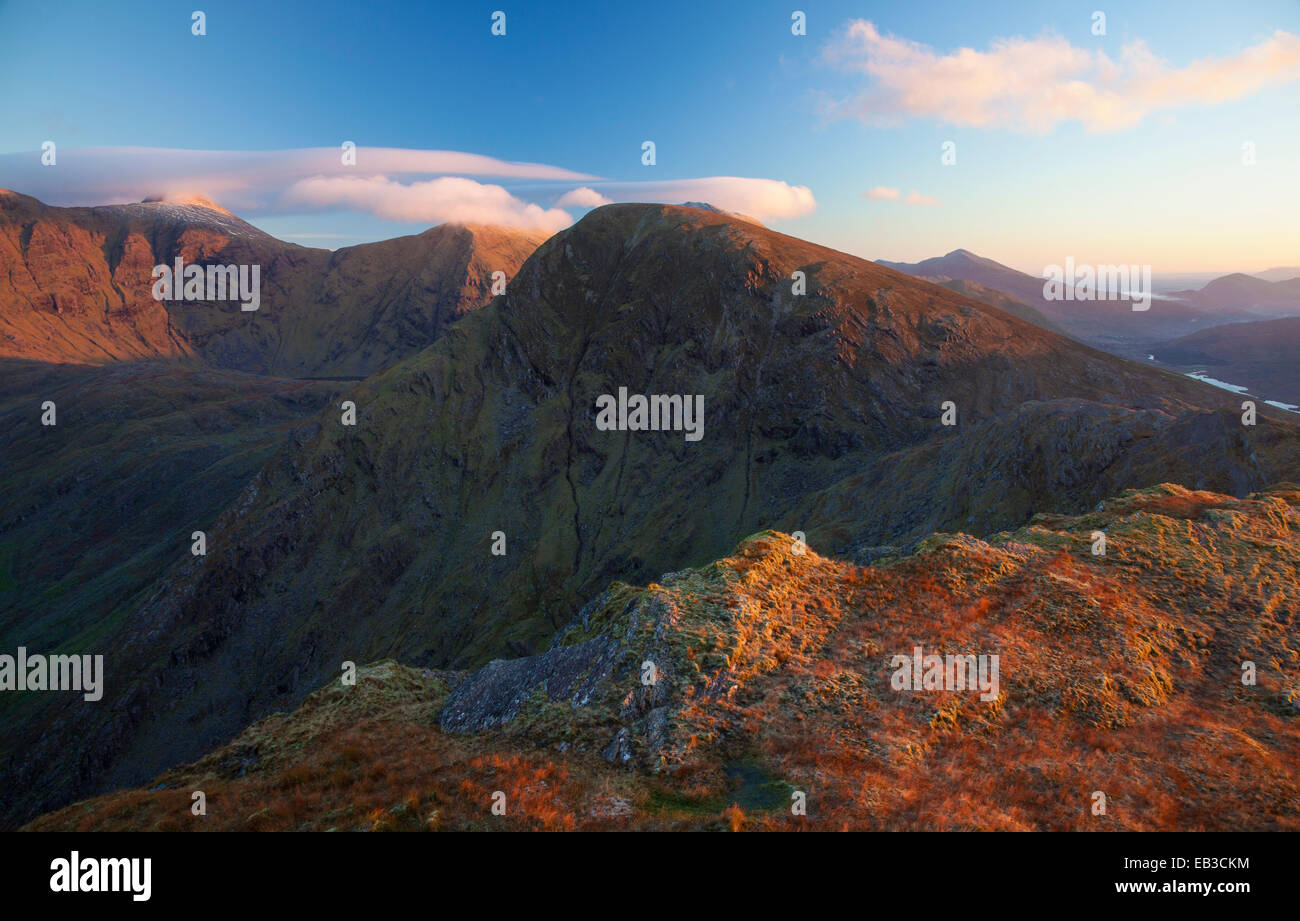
[{"x": 189, "y": 201}]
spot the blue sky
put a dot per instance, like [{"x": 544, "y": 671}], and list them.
[{"x": 723, "y": 89}]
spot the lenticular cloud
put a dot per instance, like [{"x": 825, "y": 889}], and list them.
[{"x": 434, "y": 201}]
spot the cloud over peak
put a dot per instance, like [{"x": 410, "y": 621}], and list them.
[
  {"x": 447, "y": 199},
  {"x": 401, "y": 185},
  {"x": 583, "y": 198},
  {"x": 761, "y": 199}
]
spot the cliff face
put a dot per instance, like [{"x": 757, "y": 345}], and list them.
[{"x": 76, "y": 286}]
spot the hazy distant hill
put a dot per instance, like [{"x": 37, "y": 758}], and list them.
[
  {"x": 1110, "y": 324},
  {"x": 1236, "y": 295},
  {"x": 1280, "y": 273},
  {"x": 963, "y": 265},
  {"x": 1263, "y": 355}
]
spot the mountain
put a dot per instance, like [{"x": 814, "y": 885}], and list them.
[
  {"x": 96, "y": 506},
  {"x": 1005, "y": 302},
  {"x": 1241, "y": 295},
  {"x": 963, "y": 265},
  {"x": 823, "y": 414},
  {"x": 1280, "y": 273},
  {"x": 1110, "y": 324},
  {"x": 775, "y": 675},
  {"x": 1262, "y": 355},
  {"x": 76, "y": 286}
]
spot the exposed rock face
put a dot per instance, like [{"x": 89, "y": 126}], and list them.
[
  {"x": 626, "y": 668},
  {"x": 822, "y": 415},
  {"x": 494, "y": 694},
  {"x": 1002, "y": 301},
  {"x": 76, "y": 286}
]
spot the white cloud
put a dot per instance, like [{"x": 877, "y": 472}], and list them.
[
  {"x": 1033, "y": 85},
  {"x": 583, "y": 198},
  {"x": 241, "y": 180},
  {"x": 886, "y": 193},
  {"x": 762, "y": 199},
  {"x": 424, "y": 186},
  {"x": 433, "y": 201},
  {"x": 916, "y": 198}
]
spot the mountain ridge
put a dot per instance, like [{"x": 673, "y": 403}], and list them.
[
  {"x": 360, "y": 542},
  {"x": 773, "y": 676},
  {"x": 76, "y": 285}
]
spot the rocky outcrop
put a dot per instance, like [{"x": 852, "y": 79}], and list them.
[
  {"x": 626, "y": 668},
  {"x": 494, "y": 694}
]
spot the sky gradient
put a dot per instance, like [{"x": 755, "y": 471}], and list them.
[{"x": 1122, "y": 148}]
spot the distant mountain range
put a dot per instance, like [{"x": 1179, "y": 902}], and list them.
[
  {"x": 1230, "y": 344},
  {"x": 1280, "y": 273},
  {"x": 1239, "y": 294},
  {"x": 1115, "y": 325}
]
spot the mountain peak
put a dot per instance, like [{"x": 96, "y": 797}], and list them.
[
  {"x": 966, "y": 256},
  {"x": 705, "y": 206},
  {"x": 189, "y": 201},
  {"x": 489, "y": 231}
]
